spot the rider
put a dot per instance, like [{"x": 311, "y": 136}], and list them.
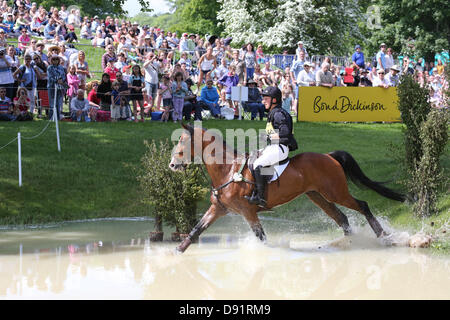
[{"x": 280, "y": 138}]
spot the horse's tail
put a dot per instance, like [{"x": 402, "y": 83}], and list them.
[{"x": 354, "y": 172}]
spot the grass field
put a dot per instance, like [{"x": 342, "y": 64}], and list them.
[{"x": 94, "y": 176}]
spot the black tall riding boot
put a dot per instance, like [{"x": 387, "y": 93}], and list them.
[{"x": 258, "y": 195}]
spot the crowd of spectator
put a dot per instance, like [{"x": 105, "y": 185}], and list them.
[{"x": 148, "y": 69}]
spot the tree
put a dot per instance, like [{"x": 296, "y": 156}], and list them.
[
  {"x": 174, "y": 196},
  {"x": 97, "y": 7},
  {"x": 196, "y": 16},
  {"x": 425, "y": 138},
  {"x": 324, "y": 26},
  {"x": 425, "y": 25}
]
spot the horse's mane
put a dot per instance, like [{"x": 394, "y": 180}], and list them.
[{"x": 226, "y": 146}]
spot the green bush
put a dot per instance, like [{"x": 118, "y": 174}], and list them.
[
  {"x": 429, "y": 177},
  {"x": 425, "y": 137},
  {"x": 414, "y": 108},
  {"x": 173, "y": 195}
]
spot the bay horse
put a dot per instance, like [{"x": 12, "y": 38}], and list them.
[{"x": 322, "y": 177}]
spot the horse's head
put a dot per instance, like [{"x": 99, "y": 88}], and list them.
[{"x": 183, "y": 153}]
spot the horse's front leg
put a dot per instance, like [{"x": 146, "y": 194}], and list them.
[
  {"x": 255, "y": 225},
  {"x": 214, "y": 212}
]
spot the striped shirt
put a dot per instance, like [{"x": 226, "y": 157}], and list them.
[{"x": 5, "y": 105}]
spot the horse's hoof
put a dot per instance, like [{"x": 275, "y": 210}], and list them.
[{"x": 178, "y": 251}]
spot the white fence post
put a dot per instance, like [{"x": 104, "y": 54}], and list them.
[
  {"x": 55, "y": 115},
  {"x": 19, "y": 150}
]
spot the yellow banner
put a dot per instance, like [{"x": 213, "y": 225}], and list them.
[{"x": 351, "y": 104}]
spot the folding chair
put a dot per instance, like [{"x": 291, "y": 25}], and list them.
[{"x": 43, "y": 102}]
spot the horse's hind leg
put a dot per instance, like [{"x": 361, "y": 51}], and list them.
[
  {"x": 374, "y": 224},
  {"x": 331, "y": 210},
  {"x": 362, "y": 207}
]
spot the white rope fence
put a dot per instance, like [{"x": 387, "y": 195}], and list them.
[{"x": 19, "y": 138}]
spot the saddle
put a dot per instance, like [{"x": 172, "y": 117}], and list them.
[{"x": 271, "y": 173}]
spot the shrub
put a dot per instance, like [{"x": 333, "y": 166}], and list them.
[
  {"x": 414, "y": 108},
  {"x": 425, "y": 137},
  {"x": 428, "y": 177},
  {"x": 173, "y": 195}
]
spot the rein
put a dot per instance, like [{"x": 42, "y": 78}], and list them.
[{"x": 237, "y": 177}]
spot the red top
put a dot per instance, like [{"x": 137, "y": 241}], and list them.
[
  {"x": 348, "y": 78},
  {"x": 92, "y": 97},
  {"x": 22, "y": 107}
]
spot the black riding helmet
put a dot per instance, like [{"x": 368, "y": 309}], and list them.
[{"x": 273, "y": 92}]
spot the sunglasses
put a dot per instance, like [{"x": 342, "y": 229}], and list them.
[{"x": 380, "y": 72}]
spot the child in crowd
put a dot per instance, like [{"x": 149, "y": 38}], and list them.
[
  {"x": 73, "y": 81},
  {"x": 111, "y": 70},
  {"x": 228, "y": 81},
  {"x": 115, "y": 102},
  {"x": 136, "y": 83},
  {"x": 122, "y": 61},
  {"x": 22, "y": 106},
  {"x": 288, "y": 93},
  {"x": 165, "y": 91},
  {"x": 123, "y": 108},
  {"x": 179, "y": 90}
]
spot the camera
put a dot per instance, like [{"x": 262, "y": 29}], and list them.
[{"x": 2, "y": 52}]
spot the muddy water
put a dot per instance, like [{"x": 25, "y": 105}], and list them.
[{"x": 115, "y": 260}]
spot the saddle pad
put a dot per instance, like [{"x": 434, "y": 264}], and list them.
[{"x": 278, "y": 171}]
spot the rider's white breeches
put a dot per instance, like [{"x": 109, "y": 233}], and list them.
[{"x": 272, "y": 154}]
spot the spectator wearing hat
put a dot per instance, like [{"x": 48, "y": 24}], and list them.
[
  {"x": 145, "y": 47},
  {"x": 358, "y": 57},
  {"x": 57, "y": 80},
  {"x": 184, "y": 42},
  {"x": 95, "y": 24},
  {"x": 381, "y": 57},
  {"x": 300, "y": 48},
  {"x": 40, "y": 52},
  {"x": 306, "y": 77},
  {"x": 393, "y": 76},
  {"x": 191, "y": 43},
  {"x": 254, "y": 103},
  {"x": 381, "y": 80}
]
